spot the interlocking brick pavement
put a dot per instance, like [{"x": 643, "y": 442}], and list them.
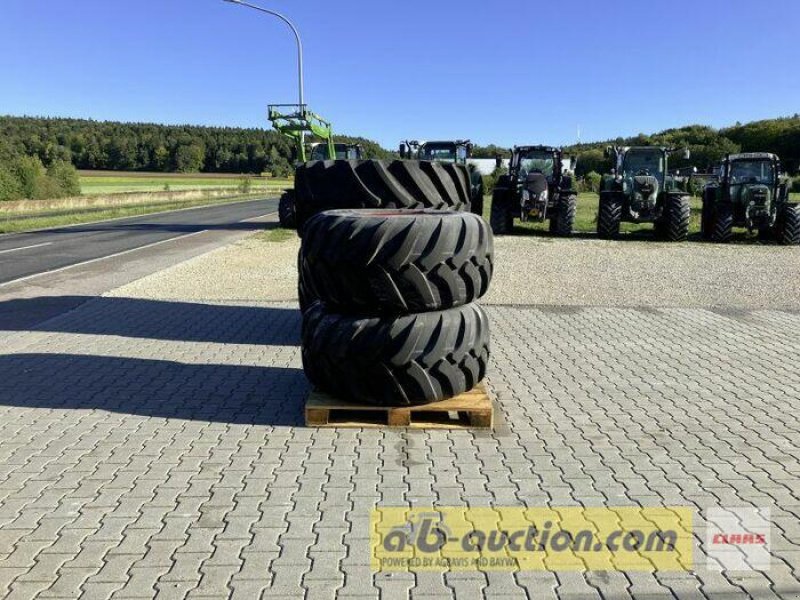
[{"x": 157, "y": 448}]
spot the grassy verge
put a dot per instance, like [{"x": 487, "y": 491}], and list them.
[
  {"x": 276, "y": 235},
  {"x": 13, "y": 221}
]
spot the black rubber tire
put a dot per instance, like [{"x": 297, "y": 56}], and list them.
[
  {"x": 723, "y": 224},
  {"x": 707, "y": 219},
  {"x": 562, "y": 222},
  {"x": 395, "y": 361},
  {"x": 286, "y": 214},
  {"x": 678, "y": 214},
  {"x": 335, "y": 184},
  {"x": 501, "y": 216},
  {"x": 790, "y": 225},
  {"x": 609, "y": 218},
  {"x": 380, "y": 261},
  {"x": 305, "y": 297}
]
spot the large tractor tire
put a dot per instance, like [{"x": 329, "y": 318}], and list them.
[
  {"x": 723, "y": 224},
  {"x": 336, "y": 184},
  {"x": 286, "y": 214},
  {"x": 609, "y": 217},
  {"x": 563, "y": 220},
  {"x": 305, "y": 297},
  {"x": 707, "y": 219},
  {"x": 790, "y": 225},
  {"x": 379, "y": 261},
  {"x": 396, "y": 361},
  {"x": 501, "y": 216},
  {"x": 678, "y": 214}
]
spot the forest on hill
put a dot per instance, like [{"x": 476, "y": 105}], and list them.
[
  {"x": 105, "y": 145},
  {"x": 38, "y": 156}
]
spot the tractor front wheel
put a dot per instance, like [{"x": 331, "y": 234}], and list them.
[
  {"x": 679, "y": 212},
  {"x": 562, "y": 222},
  {"x": 609, "y": 218},
  {"x": 286, "y": 214},
  {"x": 790, "y": 225},
  {"x": 723, "y": 224},
  {"x": 501, "y": 217},
  {"x": 707, "y": 219}
]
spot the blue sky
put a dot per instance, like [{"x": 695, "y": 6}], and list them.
[{"x": 498, "y": 72}]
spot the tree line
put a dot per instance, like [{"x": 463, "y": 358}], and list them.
[
  {"x": 37, "y": 154},
  {"x": 708, "y": 145},
  {"x": 102, "y": 145}
]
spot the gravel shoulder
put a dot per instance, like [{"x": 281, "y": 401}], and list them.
[{"x": 530, "y": 270}]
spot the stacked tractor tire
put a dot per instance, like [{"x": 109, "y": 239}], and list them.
[{"x": 390, "y": 267}]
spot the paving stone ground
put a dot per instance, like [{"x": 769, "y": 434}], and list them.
[{"x": 156, "y": 448}]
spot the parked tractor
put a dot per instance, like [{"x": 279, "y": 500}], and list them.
[
  {"x": 750, "y": 192},
  {"x": 640, "y": 190},
  {"x": 538, "y": 187},
  {"x": 456, "y": 151}
]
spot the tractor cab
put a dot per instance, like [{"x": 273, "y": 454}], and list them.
[
  {"x": 319, "y": 151},
  {"x": 457, "y": 151}
]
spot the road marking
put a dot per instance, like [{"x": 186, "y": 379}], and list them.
[
  {"x": 116, "y": 254},
  {"x": 150, "y": 214},
  {"x": 98, "y": 259},
  {"x": 25, "y": 248}
]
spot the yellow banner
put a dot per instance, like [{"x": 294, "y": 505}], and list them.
[{"x": 525, "y": 539}]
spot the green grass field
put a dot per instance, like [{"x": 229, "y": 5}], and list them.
[
  {"x": 14, "y": 222},
  {"x": 98, "y": 183}
]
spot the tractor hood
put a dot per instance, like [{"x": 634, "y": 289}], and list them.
[
  {"x": 643, "y": 191},
  {"x": 747, "y": 193}
]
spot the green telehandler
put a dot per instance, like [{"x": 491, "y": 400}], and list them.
[
  {"x": 296, "y": 122},
  {"x": 451, "y": 151}
]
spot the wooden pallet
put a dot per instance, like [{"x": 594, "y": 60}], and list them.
[{"x": 470, "y": 410}]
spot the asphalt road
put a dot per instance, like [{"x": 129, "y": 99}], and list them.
[{"x": 24, "y": 255}]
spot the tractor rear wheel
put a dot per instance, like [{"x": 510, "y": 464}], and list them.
[
  {"x": 562, "y": 222},
  {"x": 286, "y": 214},
  {"x": 501, "y": 215},
  {"x": 396, "y": 360},
  {"x": 338, "y": 184},
  {"x": 380, "y": 261},
  {"x": 609, "y": 218},
  {"x": 678, "y": 215},
  {"x": 790, "y": 225},
  {"x": 723, "y": 224}
]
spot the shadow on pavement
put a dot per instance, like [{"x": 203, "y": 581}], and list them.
[
  {"x": 154, "y": 388},
  {"x": 154, "y": 319}
]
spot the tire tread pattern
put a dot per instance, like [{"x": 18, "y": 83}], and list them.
[
  {"x": 396, "y": 361},
  {"x": 338, "y": 184},
  {"x": 365, "y": 262}
]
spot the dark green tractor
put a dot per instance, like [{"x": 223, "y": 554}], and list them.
[
  {"x": 640, "y": 190},
  {"x": 456, "y": 151},
  {"x": 538, "y": 187},
  {"x": 750, "y": 192}
]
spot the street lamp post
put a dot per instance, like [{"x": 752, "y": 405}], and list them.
[{"x": 299, "y": 45}]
